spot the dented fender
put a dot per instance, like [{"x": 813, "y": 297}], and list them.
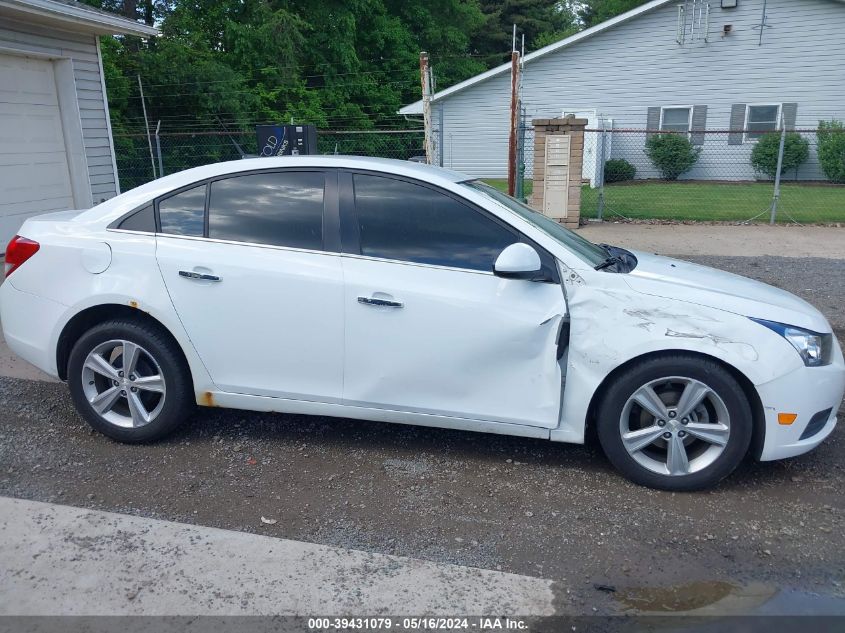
[{"x": 611, "y": 325}]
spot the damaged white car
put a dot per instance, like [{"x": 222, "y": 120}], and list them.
[{"x": 385, "y": 290}]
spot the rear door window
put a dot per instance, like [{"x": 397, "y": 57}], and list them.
[{"x": 276, "y": 208}]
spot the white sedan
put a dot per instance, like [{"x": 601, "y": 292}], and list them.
[{"x": 385, "y": 290}]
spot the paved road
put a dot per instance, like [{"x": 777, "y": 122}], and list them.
[
  {"x": 59, "y": 560},
  {"x": 517, "y": 505}
]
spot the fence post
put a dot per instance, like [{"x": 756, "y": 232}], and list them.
[
  {"x": 600, "y": 210},
  {"x": 158, "y": 150},
  {"x": 147, "y": 126},
  {"x": 519, "y": 189},
  {"x": 776, "y": 197}
]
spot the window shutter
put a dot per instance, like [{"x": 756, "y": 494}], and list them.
[
  {"x": 737, "y": 124},
  {"x": 699, "y": 124},
  {"x": 790, "y": 113},
  {"x": 652, "y": 122}
]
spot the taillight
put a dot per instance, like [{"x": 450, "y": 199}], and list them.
[{"x": 18, "y": 251}]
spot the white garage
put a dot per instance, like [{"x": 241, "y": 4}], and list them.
[
  {"x": 34, "y": 174},
  {"x": 56, "y": 150}
]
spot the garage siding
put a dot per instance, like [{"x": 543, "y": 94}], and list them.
[{"x": 82, "y": 50}]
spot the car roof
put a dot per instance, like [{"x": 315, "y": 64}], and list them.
[{"x": 128, "y": 200}]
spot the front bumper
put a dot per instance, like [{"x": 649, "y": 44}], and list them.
[{"x": 805, "y": 391}]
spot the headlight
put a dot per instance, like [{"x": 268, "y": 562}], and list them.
[{"x": 814, "y": 348}]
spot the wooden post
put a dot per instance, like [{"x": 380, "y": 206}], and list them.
[
  {"x": 512, "y": 139},
  {"x": 425, "y": 80}
]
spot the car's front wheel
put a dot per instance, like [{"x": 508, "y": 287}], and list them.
[
  {"x": 129, "y": 381},
  {"x": 676, "y": 422}
]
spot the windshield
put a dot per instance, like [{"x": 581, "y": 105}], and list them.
[{"x": 585, "y": 249}]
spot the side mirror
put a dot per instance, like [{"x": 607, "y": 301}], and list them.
[{"x": 518, "y": 261}]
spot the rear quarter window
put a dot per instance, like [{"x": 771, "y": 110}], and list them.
[
  {"x": 184, "y": 212},
  {"x": 143, "y": 220}
]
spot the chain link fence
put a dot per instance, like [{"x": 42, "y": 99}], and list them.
[
  {"x": 141, "y": 159},
  {"x": 719, "y": 175},
  {"x": 628, "y": 174}
]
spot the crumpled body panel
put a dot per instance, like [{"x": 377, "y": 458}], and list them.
[
  {"x": 612, "y": 324},
  {"x": 463, "y": 344}
]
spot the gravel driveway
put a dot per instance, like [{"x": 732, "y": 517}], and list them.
[{"x": 520, "y": 505}]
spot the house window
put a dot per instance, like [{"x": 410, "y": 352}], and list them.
[
  {"x": 675, "y": 119},
  {"x": 760, "y": 119}
]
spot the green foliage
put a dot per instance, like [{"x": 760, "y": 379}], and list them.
[
  {"x": 831, "y": 148},
  {"x": 347, "y": 64},
  {"x": 229, "y": 64},
  {"x": 618, "y": 170},
  {"x": 672, "y": 154},
  {"x": 542, "y": 22},
  {"x": 764, "y": 156},
  {"x": 223, "y": 66},
  {"x": 592, "y": 12}
]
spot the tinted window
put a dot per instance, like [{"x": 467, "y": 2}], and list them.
[
  {"x": 408, "y": 222},
  {"x": 585, "y": 249},
  {"x": 283, "y": 209},
  {"x": 184, "y": 213},
  {"x": 142, "y": 220}
]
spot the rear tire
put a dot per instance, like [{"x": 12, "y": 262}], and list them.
[
  {"x": 130, "y": 381},
  {"x": 676, "y": 422}
]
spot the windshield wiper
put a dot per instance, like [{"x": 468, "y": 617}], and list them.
[
  {"x": 619, "y": 257},
  {"x": 607, "y": 263}
]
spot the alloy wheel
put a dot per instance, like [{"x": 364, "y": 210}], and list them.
[
  {"x": 123, "y": 383},
  {"x": 675, "y": 426}
]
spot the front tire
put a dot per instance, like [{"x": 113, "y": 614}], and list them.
[
  {"x": 677, "y": 422},
  {"x": 130, "y": 381}
]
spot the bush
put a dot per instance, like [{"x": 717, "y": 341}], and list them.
[
  {"x": 619, "y": 170},
  {"x": 831, "y": 137},
  {"x": 764, "y": 156},
  {"x": 672, "y": 154}
]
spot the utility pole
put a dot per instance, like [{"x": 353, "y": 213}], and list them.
[
  {"x": 147, "y": 125},
  {"x": 425, "y": 80},
  {"x": 513, "y": 139}
]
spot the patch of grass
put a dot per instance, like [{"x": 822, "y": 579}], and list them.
[
  {"x": 711, "y": 201},
  {"x": 723, "y": 202}
]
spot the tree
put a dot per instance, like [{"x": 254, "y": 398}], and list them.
[
  {"x": 592, "y": 12},
  {"x": 339, "y": 64},
  {"x": 541, "y": 21}
]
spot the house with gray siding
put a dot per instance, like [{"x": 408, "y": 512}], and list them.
[
  {"x": 56, "y": 149},
  {"x": 683, "y": 65}
]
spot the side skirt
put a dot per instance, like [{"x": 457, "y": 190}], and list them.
[{"x": 304, "y": 407}]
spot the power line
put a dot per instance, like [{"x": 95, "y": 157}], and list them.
[{"x": 435, "y": 60}]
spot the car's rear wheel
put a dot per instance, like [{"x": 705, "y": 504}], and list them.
[
  {"x": 129, "y": 381},
  {"x": 675, "y": 422}
]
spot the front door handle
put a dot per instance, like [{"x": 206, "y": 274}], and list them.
[
  {"x": 190, "y": 274},
  {"x": 373, "y": 301}
]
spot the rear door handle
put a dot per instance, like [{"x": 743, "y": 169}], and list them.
[
  {"x": 190, "y": 274},
  {"x": 386, "y": 303}
]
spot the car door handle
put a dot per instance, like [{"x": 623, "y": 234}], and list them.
[
  {"x": 386, "y": 303},
  {"x": 190, "y": 274}
]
